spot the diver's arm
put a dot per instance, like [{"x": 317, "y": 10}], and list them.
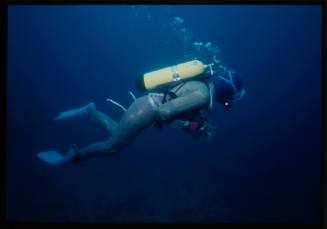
[{"x": 195, "y": 97}]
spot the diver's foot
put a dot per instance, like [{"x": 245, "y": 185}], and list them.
[
  {"x": 87, "y": 109},
  {"x": 56, "y": 159}
]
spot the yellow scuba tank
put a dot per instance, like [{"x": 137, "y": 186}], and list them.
[{"x": 170, "y": 75}]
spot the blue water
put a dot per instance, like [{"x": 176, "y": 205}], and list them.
[{"x": 264, "y": 164}]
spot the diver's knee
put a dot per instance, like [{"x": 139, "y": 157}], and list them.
[{"x": 91, "y": 108}]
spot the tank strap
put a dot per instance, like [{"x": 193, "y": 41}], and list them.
[
  {"x": 160, "y": 124},
  {"x": 171, "y": 93}
]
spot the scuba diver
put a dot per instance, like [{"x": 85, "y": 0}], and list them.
[{"x": 181, "y": 96}]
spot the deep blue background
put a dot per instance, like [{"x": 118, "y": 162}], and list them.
[{"x": 264, "y": 165}]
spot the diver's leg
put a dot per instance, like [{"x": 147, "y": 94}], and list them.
[
  {"x": 145, "y": 111},
  {"x": 103, "y": 119},
  {"x": 55, "y": 158},
  {"x": 90, "y": 109},
  {"x": 74, "y": 112},
  {"x": 140, "y": 115}
]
